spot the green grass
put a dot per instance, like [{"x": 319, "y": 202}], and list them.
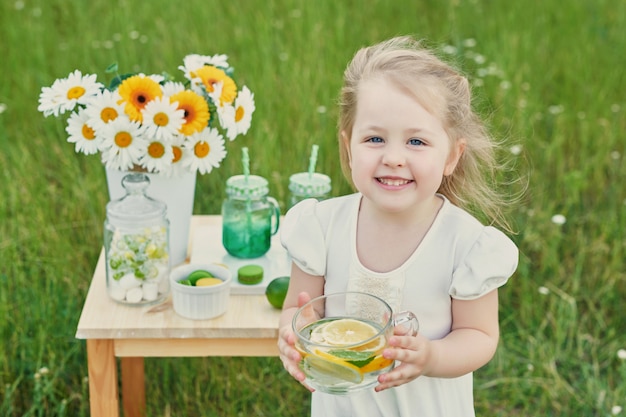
[{"x": 557, "y": 90}]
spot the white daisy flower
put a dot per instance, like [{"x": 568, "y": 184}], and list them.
[
  {"x": 206, "y": 150},
  {"x": 179, "y": 155},
  {"x": 172, "y": 87},
  {"x": 162, "y": 119},
  {"x": 449, "y": 49},
  {"x": 516, "y": 149},
  {"x": 104, "y": 108},
  {"x": 225, "y": 112},
  {"x": 194, "y": 61},
  {"x": 469, "y": 42},
  {"x": 122, "y": 145},
  {"x": 157, "y": 78},
  {"x": 82, "y": 133},
  {"x": 158, "y": 157},
  {"x": 215, "y": 95},
  {"x": 66, "y": 93},
  {"x": 244, "y": 107},
  {"x": 227, "y": 115}
]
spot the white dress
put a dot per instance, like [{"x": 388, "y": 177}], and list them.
[{"x": 458, "y": 258}]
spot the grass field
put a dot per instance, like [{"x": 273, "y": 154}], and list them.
[{"x": 549, "y": 77}]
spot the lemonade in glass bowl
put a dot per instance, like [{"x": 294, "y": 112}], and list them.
[{"x": 342, "y": 350}]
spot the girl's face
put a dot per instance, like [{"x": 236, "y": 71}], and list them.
[{"x": 399, "y": 152}]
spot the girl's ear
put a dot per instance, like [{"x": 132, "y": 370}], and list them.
[{"x": 455, "y": 155}]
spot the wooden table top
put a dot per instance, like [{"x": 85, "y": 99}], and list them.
[{"x": 248, "y": 316}]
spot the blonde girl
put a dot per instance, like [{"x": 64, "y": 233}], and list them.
[{"x": 420, "y": 160}]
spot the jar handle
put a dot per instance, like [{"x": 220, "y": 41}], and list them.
[
  {"x": 407, "y": 321},
  {"x": 275, "y": 215}
]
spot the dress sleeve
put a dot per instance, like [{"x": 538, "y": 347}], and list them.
[
  {"x": 302, "y": 236},
  {"x": 487, "y": 265}
]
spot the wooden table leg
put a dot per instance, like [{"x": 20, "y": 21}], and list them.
[
  {"x": 133, "y": 387},
  {"x": 102, "y": 367}
]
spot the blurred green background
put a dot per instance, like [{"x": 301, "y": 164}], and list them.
[{"x": 548, "y": 77}]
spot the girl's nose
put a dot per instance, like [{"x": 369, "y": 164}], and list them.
[{"x": 394, "y": 156}]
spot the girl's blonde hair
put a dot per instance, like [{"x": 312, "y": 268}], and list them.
[{"x": 445, "y": 93}]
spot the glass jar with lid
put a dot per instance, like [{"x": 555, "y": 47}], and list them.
[
  {"x": 304, "y": 185},
  {"x": 250, "y": 217},
  {"x": 136, "y": 244}
]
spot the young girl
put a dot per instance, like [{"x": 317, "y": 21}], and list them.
[{"x": 417, "y": 155}]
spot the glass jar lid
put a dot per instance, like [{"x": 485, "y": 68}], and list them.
[
  {"x": 315, "y": 184},
  {"x": 242, "y": 187},
  {"x": 135, "y": 208}
]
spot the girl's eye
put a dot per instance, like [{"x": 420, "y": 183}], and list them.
[
  {"x": 375, "y": 139},
  {"x": 416, "y": 141}
]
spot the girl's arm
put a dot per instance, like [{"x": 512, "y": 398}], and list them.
[
  {"x": 471, "y": 343},
  {"x": 302, "y": 287}
]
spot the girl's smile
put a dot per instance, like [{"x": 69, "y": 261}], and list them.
[{"x": 393, "y": 182}]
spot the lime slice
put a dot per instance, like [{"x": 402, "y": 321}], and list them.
[
  {"x": 323, "y": 365},
  {"x": 207, "y": 282},
  {"x": 347, "y": 332}
]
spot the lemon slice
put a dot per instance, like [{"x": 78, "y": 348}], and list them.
[
  {"x": 317, "y": 336},
  {"x": 347, "y": 332},
  {"x": 373, "y": 346},
  {"x": 377, "y": 364},
  {"x": 328, "y": 365}
]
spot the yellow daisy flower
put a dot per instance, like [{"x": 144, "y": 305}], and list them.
[
  {"x": 209, "y": 76},
  {"x": 137, "y": 91},
  {"x": 196, "y": 111}
]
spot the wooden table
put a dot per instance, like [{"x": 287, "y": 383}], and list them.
[{"x": 249, "y": 328}]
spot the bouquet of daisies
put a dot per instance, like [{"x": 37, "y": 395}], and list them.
[{"x": 152, "y": 122}]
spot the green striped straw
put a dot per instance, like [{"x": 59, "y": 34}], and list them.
[
  {"x": 245, "y": 160},
  {"x": 313, "y": 160}
]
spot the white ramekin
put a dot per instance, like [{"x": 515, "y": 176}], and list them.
[{"x": 200, "y": 303}]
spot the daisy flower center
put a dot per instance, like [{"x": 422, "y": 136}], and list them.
[
  {"x": 161, "y": 119},
  {"x": 201, "y": 149},
  {"x": 239, "y": 113},
  {"x": 88, "y": 132},
  {"x": 178, "y": 153},
  {"x": 108, "y": 114},
  {"x": 123, "y": 139},
  {"x": 156, "y": 150},
  {"x": 75, "y": 92}
]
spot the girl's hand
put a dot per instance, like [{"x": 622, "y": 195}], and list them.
[
  {"x": 414, "y": 352},
  {"x": 288, "y": 354}
]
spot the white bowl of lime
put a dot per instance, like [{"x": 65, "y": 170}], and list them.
[{"x": 200, "y": 291}]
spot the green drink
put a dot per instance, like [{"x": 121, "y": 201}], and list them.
[
  {"x": 246, "y": 236},
  {"x": 250, "y": 217}
]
